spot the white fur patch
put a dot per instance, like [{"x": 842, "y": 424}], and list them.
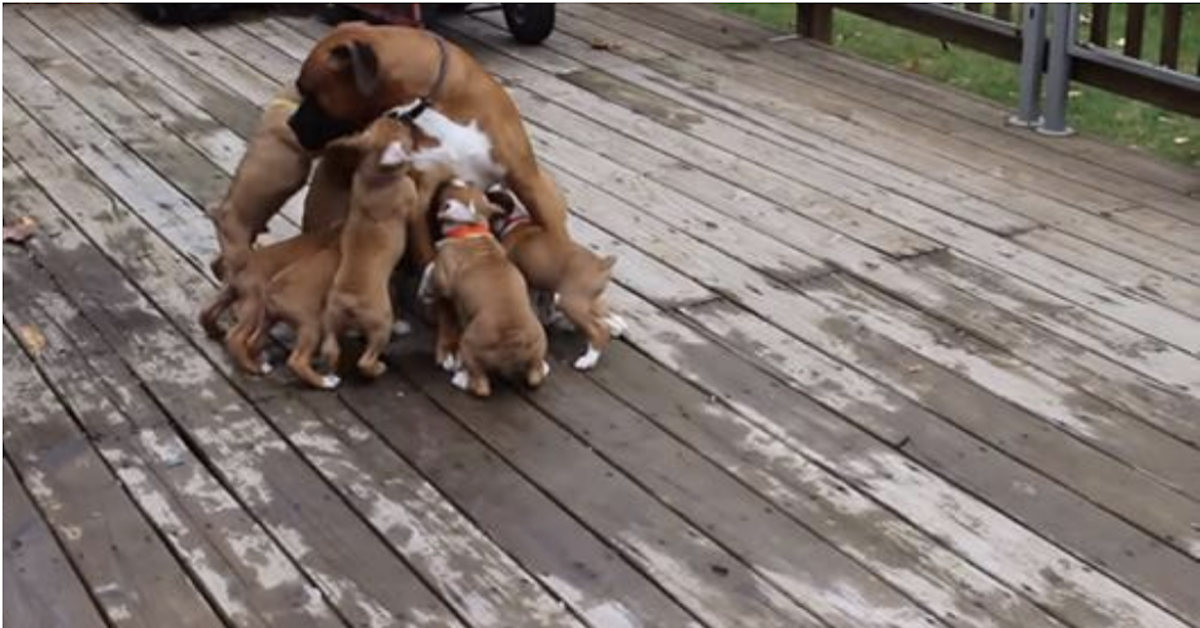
[
  {"x": 456, "y": 211},
  {"x": 465, "y": 148},
  {"x": 265, "y": 368},
  {"x": 329, "y": 382},
  {"x": 401, "y": 328},
  {"x": 425, "y": 289},
  {"x": 617, "y": 325},
  {"x": 461, "y": 380},
  {"x": 588, "y": 360},
  {"x": 451, "y": 363}
]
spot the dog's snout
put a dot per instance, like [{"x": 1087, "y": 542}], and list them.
[{"x": 314, "y": 128}]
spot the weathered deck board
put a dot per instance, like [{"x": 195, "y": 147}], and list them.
[
  {"x": 40, "y": 588},
  {"x": 801, "y": 428}
]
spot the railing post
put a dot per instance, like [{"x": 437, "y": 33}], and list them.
[
  {"x": 1058, "y": 77},
  {"x": 1033, "y": 44},
  {"x": 815, "y": 21}
]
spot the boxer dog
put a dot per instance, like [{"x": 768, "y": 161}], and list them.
[
  {"x": 574, "y": 274},
  {"x": 484, "y": 296},
  {"x": 383, "y": 203},
  {"x": 358, "y": 72}
]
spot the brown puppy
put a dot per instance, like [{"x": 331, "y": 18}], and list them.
[
  {"x": 246, "y": 293},
  {"x": 383, "y": 201},
  {"x": 357, "y": 72},
  {"x": 273, "y": 168},
  {"x": 574, "y": 274},
  {"x": 297, "y": 296},
  {"x": 488, "y": 296}
]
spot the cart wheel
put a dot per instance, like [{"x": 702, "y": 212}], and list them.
[
  {"x": 529, "y": 23},
  {"x": 451, "y": 8}
]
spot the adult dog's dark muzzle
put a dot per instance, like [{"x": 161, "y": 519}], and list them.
[{"x": 315, "y": 128}]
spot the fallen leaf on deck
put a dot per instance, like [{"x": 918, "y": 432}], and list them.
[
  {"x": 32, "y": 338},
  {"x": 602, "y": 44},
  {"x": 20, "y": 230}
]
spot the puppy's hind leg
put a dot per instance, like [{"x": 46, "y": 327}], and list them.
[
  {"x": 578, "y": 310},
  {"x": 210, "y": 317},
  {"x": 308, "y": 336},
  {"x": 471, "y": 376},
  {"x": 369, "y": 363}
]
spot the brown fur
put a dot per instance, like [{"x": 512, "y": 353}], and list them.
[
  {"x": 382, "y": 204},
  {"x": 485, "y": 297},
  {"x": 578, "y": 275},
  {"x": 393, "y": 65}
]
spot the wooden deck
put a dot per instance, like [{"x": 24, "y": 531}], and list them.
[{"x": 891, "y": 364}]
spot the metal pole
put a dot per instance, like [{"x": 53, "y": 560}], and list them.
[
  {"x": 1033, "y": 45},
  {"x": 1058, "y": 77}
]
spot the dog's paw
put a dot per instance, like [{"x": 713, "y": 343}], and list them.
[
  {"x": 265, "y": 368},
  {"x": 461, "y": 380},
  {"x": 545, "y": 368},
  {"x": 401, "y": 328},
  {"x": 588, "y": 360},
  {"x": 617, "y": 325},
  {"x": 450, "y": 363},
  {"x": 329, "y": 382}
]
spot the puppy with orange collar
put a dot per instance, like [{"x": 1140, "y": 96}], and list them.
[
  {"x": 576, "y": 276},
  {"x": 383, "y": 209},
  {"x": 484, "y": 296}
]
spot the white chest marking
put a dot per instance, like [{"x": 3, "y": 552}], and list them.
[{"x": 465, "y": 148}]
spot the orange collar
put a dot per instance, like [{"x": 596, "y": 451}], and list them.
[{"x": 462, "y": 232}]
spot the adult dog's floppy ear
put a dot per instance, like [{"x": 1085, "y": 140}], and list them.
[{"x": 360, "y": 59}]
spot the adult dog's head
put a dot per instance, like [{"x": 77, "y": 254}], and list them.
[{"x": 356, "y": 73}]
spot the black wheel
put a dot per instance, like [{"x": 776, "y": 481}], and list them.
[
  {"x": 169, "y": 14},
  {"x": 451, "y": 8},
  {"x": 529, "y": 23}
]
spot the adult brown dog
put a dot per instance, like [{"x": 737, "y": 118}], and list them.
[{"x": 359, "y": 72}]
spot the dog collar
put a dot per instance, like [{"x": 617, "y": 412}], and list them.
[
  {"x": 412, "y": 112},
  {"x": 462, "y": 232}
]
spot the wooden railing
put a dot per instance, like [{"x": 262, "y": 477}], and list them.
[{"x": 1164, "y": 79}]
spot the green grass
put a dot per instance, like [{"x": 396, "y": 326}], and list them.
[{"x": 1092, "y": 111}]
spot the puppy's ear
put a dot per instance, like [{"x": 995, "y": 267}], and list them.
[
  {"x": 359, "y": 58},
  {"x": 393, "y": 154}
]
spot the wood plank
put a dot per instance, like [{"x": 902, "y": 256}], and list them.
[
  {"x": 1150, "y": 318},
  {"x": 958, "y": 592},
  {"x": 1145, "y": 280},
  {"x": 338, "y": 550},
  {"x": 1121, "y": 435},
  {"x": 785, "y": 552},
  {"x": 852, "y": 206},
  {"x": 703, "y": 576},
  {"x": 206, "y": 56},
  {"x": 253, "y": 51},
  {"x": 902, "y": 169},
  {"x": 241, "y": 570},
  {"x": 222, "y": 102},
  {"x": 485, "y": 587},
  {"x": 41, "y": 589},
  {"x": 565, "y": 555},
  {"x": 982, "y": 457},
  {"x": 100, "y": 528},
  {"x": 1174, "y": 368},
  {"x": 1080, "y": 154},
  {"x": 1181, "y": 233},
  {"x": 983, "y": 535},
  {"x": 682, "y": 80}
]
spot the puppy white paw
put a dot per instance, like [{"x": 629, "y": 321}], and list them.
[
  {"x": 329, "y": 382},
  {"x": 545, "y": 368},
  {"x": 265, "y": 368},
  {"x": 401, "y": 328},
  {"x": 451, "y": 363},
  {"x": 588, "y": 360},
  {"x": 461, "y": 380},
  {"x": 617, "y": 325}
]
